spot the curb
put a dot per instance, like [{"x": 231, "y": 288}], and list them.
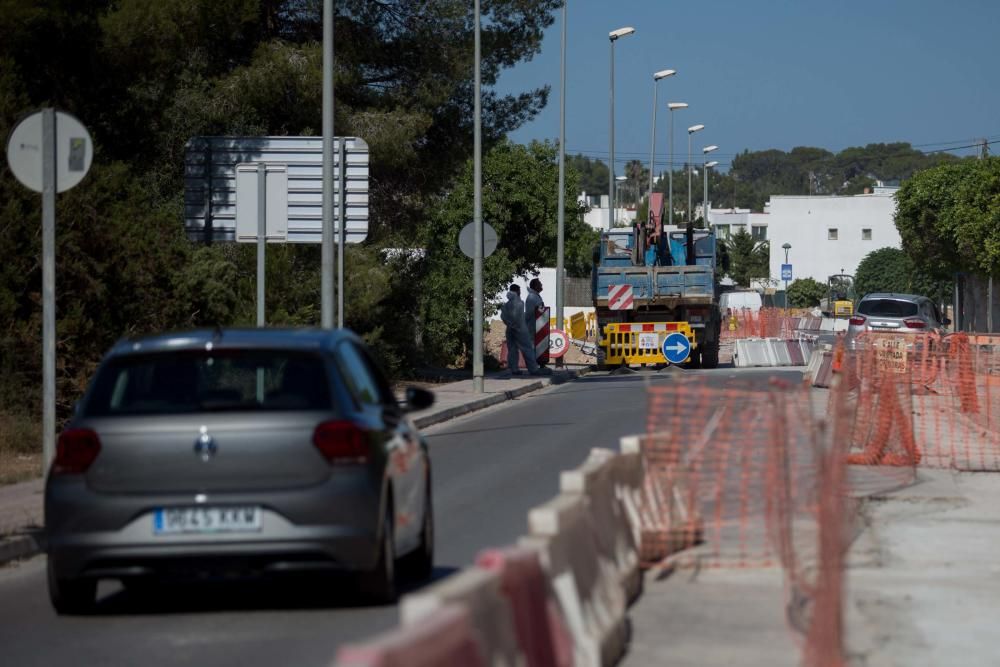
[
  {"x": 16, "y": 547},
  {"x": 496, "y": 399}
]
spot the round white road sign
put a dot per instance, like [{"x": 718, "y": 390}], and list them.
[
  {"x": 74, "y": 151},
  {"x": 558, "y": 343},
  {"x": 467, "y": 240}
]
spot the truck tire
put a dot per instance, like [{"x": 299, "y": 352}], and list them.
[
  {"x": 694, "y": 360},
  {"x": 710, "y": 356}
]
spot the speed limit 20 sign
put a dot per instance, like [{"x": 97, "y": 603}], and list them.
[{"x": 558, "y": 343}]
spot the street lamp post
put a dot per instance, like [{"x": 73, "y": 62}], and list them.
[
  {"x": 662, "y": 74},
  {"x": 619, "y": 180},
  {"x": 704, "y": 199},
  {"x": 561, "y": 213},
  {"x": 786, "y": 247},
  {"x": 691, "y": 130},
  {"x": 477, "y": 220},
  {"x": 613, "y": 37},
  {"x": 673, "y": 106}
]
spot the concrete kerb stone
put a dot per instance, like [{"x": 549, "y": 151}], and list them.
[
  {"x": 491, "y": 615},
  {"x": 597, "y": 481},
  {"x": 585, "y": 583},
  {"x": 15, "y": 547},
  {"x": 484, "y": 402}
]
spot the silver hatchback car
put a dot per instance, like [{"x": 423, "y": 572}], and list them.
[
  {"x": 238, "y": 452},
  {"x": 884, "y": 312}
]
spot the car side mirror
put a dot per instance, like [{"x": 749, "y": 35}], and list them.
[{"x": 418, "y": 399}]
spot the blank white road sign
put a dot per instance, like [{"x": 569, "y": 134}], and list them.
[
  {"x": 276, "y": 179},
  {"x": 74, "y": 151},
  {"x": 210, "y": 184}
]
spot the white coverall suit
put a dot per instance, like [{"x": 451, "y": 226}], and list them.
[{"x": 512, "y": 314}]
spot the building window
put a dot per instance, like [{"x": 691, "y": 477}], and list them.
[
  {"x": 759, "y": 232},
  {"x": 831, "y": 234},
  {"x": 722, "y": 231},
  {"x": 866, "y": 235}
]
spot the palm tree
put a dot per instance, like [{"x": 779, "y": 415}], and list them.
[{"x": 748, "y": 259}]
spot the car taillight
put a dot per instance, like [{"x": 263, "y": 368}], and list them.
[
  {"x": 915, "y": 324},
  {"x": 857, "y": 320},
  {"x": 341, "y": 442},
  {"x": 75, "y": 451}
]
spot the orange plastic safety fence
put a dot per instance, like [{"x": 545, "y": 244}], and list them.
[
  {"x": 751, "y": 475},
  {"x": 765, "y": 323}
]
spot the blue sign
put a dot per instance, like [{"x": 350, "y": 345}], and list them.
[
  {"x": 676, "y": 347},
  {"x": 786, "y": 271}
]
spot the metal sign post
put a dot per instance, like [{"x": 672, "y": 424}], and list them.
[
  {"x": 341, "y": 228},
  {"x": 326, "y": 280},
  {"x": 49, "y": 152},
  {"x": 261, "y": 238},
  {"x": 48, "y": 286}
]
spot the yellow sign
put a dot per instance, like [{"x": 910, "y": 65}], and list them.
[{"x": 890, "y": 354}]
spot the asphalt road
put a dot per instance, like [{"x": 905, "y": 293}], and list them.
[{"x": 490, "y": 468}]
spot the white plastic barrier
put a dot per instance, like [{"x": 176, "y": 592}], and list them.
[
  {"x": 585, "y": 583},
  {"x": 478, "y": 590},
  {"x": 596, "y": 480}
]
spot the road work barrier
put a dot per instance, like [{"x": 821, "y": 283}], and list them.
[
  {"x": 639, "y": 343},
  {"x": 479, "y": 592},
  {"x": 756, "y": 473},
  {"x": 585, "y": 583},
  {"x": 444, "y": 637},
  {"x": 541, "y": 630},
  {"x": 602, "y": 481},
  {"x": 771, "y": 352}
]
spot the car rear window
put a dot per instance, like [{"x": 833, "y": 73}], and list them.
[
  {"x": 887, "y": 308},
  {"x": 210, "y": 381}
]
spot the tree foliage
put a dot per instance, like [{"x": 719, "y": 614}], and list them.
[
  {"x": 520, "y": 202},
  {"x": 892, "y": 270},
  {"x": 806, "y": 293},
  {"x": 949, "y": 218},
  {"x": 147, "y": 76},
  {"x": 749, "y": 260}
]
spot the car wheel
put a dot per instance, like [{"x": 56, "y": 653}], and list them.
[
  {"x": 379, "y": 585},
  {"x": 71, "y": 596},
  {"x": 420, "y": 564}
]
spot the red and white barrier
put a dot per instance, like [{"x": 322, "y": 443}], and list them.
[
  {"x": 541, "y": 629},
  {"x": 585, "y": 583},
  {"x": 542, "y": 335},
  {"x": 444, "y": 637},
  {"x": 597, "y": 480},
  {"x": 479, "y": 592}
]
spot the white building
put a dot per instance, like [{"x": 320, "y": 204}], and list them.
[
  {"x": 828, "y": 235},
  {"x": 597, "y": 213}
]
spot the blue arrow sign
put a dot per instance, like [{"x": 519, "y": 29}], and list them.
[{"x": 676, "y": 347}]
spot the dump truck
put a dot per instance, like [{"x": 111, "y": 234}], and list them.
[{"x": 644, "y": 291}]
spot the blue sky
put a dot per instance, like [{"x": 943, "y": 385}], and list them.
[{"x": 773, "y": 74}]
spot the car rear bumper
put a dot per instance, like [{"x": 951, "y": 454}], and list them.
[{"x": 332, "y": 526}]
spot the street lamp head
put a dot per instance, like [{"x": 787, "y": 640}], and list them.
[
  {"x": 674, "y": 106},
  {"x": 621, "y": 32},
  {"x": 621, "y": 178},
  {"x": 711, "y": 164},
  {"x": 708, "y": 149},
  {"x": 695, "y": 128},
  {"x": 787, "y": 246},
  {"x": 663, "y": 74}
]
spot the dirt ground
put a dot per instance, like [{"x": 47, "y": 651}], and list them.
[{"x": 495, "y": 337}]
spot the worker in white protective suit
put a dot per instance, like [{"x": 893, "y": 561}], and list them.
[
  {"x": 512, "y": 315},
  {"x": 532, "y": 303}
]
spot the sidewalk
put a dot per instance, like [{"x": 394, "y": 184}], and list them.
[
  {"x": 21, "y": 516},
  {"x": 925, "y": 589}
]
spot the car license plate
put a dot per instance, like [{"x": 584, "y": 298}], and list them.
[
  {"x": 649, "y": 341},
  {"x": 174, "y": 520}
]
